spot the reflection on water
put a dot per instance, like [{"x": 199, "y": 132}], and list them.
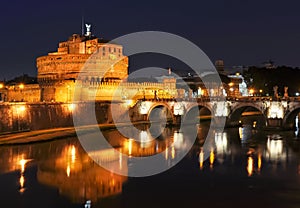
[
  {"x": 274, "y": 151},
  {"x": 250, "y": 166},
  {"x": 22, "y": 163},
  {"x": 77, "y": 177},
  {"x": 64, "y": 166},
  {"x": 297, "y": 125}
]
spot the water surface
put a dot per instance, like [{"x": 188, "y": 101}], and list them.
[{"x": 244, "y": 167}]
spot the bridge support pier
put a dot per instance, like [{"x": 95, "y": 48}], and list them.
[
  {"x": 219, "y": 121},
  {"x": 177, "y": 120},
  {"x": 275, "y": 123}
]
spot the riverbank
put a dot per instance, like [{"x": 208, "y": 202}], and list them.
[{"x": 26, "y": 137}]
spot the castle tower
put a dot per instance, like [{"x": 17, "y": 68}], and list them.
[{"x": 58, "y": 71}]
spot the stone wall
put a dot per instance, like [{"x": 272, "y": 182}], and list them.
[
  {"x": 21, "y": 116},
  {"x": 22, "y": 93}
]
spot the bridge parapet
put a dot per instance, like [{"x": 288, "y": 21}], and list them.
[{"x": 274, "y": 111}]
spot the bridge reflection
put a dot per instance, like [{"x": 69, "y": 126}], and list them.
[
  {"x": 274, "y": 152},
  {"x": 65, "y": 166}
]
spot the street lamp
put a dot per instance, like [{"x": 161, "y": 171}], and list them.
[{"x": 251, "y": 91}]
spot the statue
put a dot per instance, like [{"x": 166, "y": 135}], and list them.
[
  {"x": 286, "y": 94},
  {"x": 88, "y": 29},
  {"x": 275, "y": 89}
]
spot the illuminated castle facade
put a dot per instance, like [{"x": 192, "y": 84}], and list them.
[{"x": 60, "y": 72}]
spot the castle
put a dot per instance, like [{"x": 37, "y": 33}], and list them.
[{"x": 61, "y": 72}]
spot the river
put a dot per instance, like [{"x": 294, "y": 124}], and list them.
[{"x": 245, "y": 167}]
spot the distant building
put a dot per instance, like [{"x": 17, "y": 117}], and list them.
[
  {"x": 220, "y": 66},
  {"x": 237, "y": 86},
  {"x": 269, "y": 64}
]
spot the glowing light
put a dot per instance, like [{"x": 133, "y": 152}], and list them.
[
  {"x": 250, "y": 166},
  {"x": 251, "y": 91},
  {"x": 231, "y": 84},
  {"x": 254, "y": 124},
  {"x": 22, "y": 108},
  {"x": 21, "y": 86},
  {"x": 260, "y": 90},
  {"x": 71, "y": 107},
  {"x": 231, "y": 89},
  {"x": 1, "y": 85}
]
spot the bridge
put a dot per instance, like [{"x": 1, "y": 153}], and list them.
[{"x": 279, "y": 113}]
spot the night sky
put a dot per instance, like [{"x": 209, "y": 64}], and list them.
[{"x": 240, "y": 32}]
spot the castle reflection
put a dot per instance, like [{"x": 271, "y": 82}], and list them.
[
  {"x": 78, "y": 177},
  {"x": 65, "y": 166}
]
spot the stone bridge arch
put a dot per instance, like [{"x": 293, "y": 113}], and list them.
[
  {"x": 238, "y": 108},
  {"x": 162, "y": 108},
  {"x": 195, "y": 110},
  {"x": 290, "y": 116}
]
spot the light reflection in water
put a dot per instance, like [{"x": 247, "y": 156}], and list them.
[
  {"x": 211, "y": 158},
  {"x": 250, "y": 166},
  {"x": 241, "y": 132},
  {"x": 201, "y": 158},
  {"x": 67, "y": 168},
  {"x": 245, "y": 133},
  {"x": 70, "y": 157},
  {"x": 259, "y": 162},
  {"x": 275, "y": 150},
  {"x": 167, "y": 153},
  {"x": 221, "y": 146},
  {"x": 297, "y": 125},
  {"x": 173, "y": 152},
  {"x": 22, "y": 163},
  {"x": 85, "y": 180}
]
